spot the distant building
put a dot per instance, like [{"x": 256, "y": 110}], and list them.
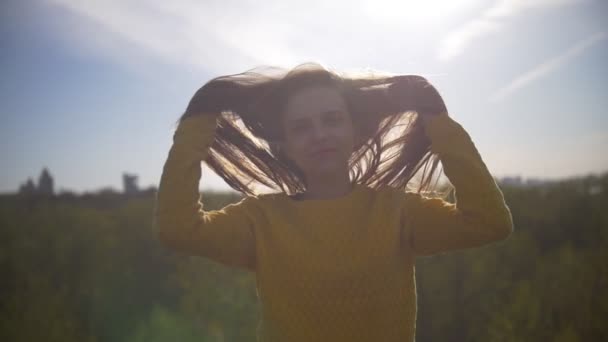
[
  {"x": 512, "y": 181},
  {"x": 518, "y": 181},
  {"x": 28, "y": 187},
  {"x": 130, "y": 184},
  {"x": 536, "y": 181},
  {"x": 45, "y": 185}
]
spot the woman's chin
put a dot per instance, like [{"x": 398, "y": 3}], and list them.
[{"x": 327, "y": 170}]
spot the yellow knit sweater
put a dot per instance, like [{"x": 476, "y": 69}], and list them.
[{"x": 332, "y": 269}]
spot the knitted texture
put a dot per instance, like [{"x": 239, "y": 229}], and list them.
[{"x": 332, "y": 269}]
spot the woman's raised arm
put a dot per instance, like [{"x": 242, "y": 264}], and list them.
[
  {"x": 480, "y": 215},
  {"x": 224, "y": 235}
]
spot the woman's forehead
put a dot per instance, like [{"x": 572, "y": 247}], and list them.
[{"x": 314, "y": 101}]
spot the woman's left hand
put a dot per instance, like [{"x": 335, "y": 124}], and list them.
[{"x": 412, "y": 92}]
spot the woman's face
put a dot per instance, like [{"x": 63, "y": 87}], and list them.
[{"x": 319, "y": 132}]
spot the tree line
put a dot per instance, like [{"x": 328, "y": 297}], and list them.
[{"x": 92, "y": 269}]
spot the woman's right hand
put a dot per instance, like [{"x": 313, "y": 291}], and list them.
[{"x": 193, "y": 132}]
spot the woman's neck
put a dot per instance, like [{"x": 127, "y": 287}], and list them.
[{"x": 327, "y": 187}]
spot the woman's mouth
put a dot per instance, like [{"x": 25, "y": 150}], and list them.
[{"x": 322, "y": 153}]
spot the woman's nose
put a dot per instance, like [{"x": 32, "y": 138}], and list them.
[{"x": 319, "y": 131}]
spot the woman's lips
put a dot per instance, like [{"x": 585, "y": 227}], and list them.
[{"x": 324, "y": 152}]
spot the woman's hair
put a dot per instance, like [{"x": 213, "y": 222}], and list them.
[{"x": 390, "y": 145}]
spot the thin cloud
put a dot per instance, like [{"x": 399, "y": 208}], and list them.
[
  {"x": 491, "y": 21},
  {"x": 210, "y": 35},
  {"x": 227, "y": 36},
  {"x": 548, "y": 66}
]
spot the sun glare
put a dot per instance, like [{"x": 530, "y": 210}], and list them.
[{"x": 416, "y": 12}]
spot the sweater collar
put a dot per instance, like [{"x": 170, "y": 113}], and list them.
[{"x": 329, "y": 202}]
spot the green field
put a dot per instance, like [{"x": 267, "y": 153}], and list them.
[{"x": 89, "y": 268}]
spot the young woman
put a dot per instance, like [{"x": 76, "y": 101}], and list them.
[{"x": 334, "y": 249}]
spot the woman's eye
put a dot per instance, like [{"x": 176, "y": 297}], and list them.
[
  {"x": 298, "y": 129},
  {"x": 334, "y": 120}
]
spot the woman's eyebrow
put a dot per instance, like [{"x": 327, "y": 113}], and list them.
[
  {"x": 332, "y": 111},
  {"x": 296, "y": 121}
]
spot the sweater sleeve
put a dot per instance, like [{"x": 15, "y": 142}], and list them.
[
  {"x": 224, "y": 235},
  {"x": 480, "y": 214}
]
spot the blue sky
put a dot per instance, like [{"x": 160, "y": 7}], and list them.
[{"x": 91, "y": 89}]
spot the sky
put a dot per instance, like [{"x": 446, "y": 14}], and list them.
[{"x": 91, "y": 89}]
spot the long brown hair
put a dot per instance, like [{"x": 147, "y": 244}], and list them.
[{"x": 390, "y": 149}]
